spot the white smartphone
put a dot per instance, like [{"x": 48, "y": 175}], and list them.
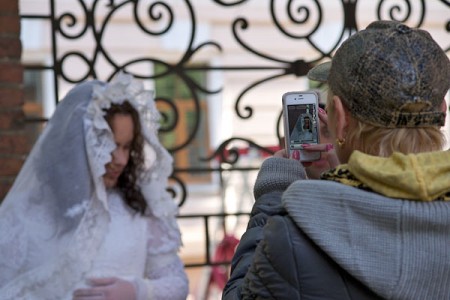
[{"x": 301, "y": 123}]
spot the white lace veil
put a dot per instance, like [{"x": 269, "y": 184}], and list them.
[{"x": 55, "y": 216}]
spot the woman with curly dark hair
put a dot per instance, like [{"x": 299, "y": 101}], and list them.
[
  {"x": 126, "y": 182},
  {"x": 89, "y": 216}
]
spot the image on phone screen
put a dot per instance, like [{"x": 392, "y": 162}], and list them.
[{"x": 302, "y": 125}]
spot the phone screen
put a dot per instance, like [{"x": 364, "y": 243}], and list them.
[{"x": 302, "y": 122}]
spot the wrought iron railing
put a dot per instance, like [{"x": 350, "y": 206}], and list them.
[{"x": 297, "y": 13}]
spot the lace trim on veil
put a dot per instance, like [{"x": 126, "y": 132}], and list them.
[{"x": 158, "y": 164}]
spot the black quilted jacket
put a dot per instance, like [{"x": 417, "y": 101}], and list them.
[{"x": 276, "y": 260}]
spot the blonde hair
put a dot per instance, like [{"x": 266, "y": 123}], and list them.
[{"x": 380, "y": 141}]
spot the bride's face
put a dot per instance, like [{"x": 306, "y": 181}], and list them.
[{"x": 122, "y": 127}]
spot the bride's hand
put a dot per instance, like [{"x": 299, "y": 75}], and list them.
[{"x": 106, "y": 289}]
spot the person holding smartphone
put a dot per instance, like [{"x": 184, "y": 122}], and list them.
[{"x": 376, "y": 226}]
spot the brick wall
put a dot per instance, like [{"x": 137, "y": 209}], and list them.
[{"x": 13, "y": 146}]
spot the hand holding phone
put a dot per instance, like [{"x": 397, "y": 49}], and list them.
[{"x": 301, "y": 123}]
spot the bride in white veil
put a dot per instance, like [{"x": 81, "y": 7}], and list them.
[{"x": 63, "y": 230}]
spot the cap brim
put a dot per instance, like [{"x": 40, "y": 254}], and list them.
[{"x": 320, "y": 72}]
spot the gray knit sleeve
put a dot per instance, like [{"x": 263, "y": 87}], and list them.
[{"x": 276, "y": 174}]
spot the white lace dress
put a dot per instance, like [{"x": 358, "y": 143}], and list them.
[{"x": 126, "y": 252}]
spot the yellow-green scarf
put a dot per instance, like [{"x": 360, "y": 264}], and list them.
[{"x": 421, "y": 177}]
